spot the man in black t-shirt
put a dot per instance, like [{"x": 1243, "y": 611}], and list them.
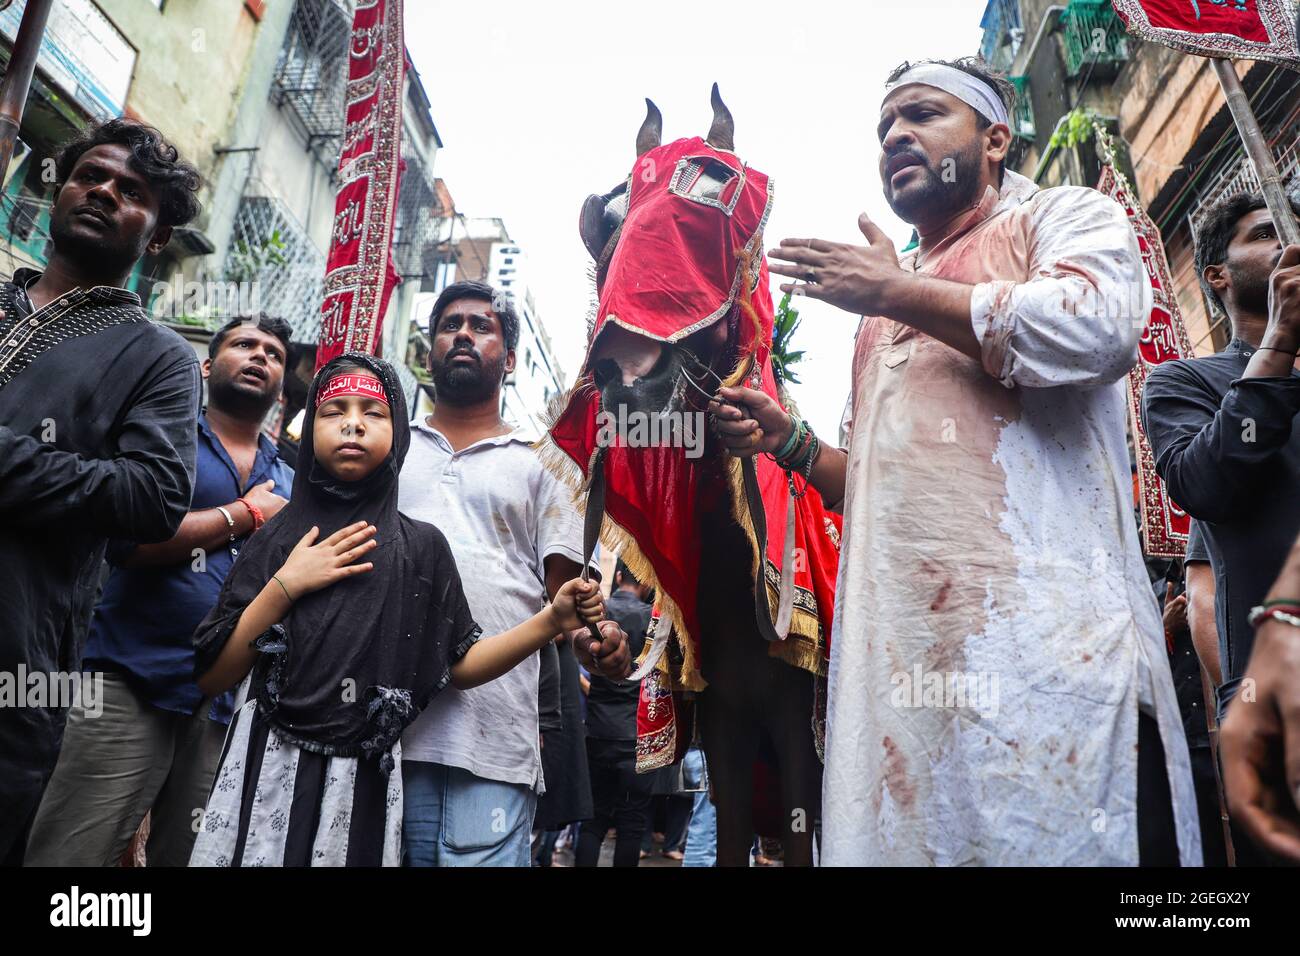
[
  {"x": 1222, "y": 428},
  {"x": 97, "y": 432},
  {"x": 620, "y": 795}
]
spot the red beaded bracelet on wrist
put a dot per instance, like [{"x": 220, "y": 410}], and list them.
[
  {"x": 259, "y": 519},
  {"x": 1282, "y": 613}
]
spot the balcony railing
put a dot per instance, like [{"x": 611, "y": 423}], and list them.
[
  {"x": 312, "y": 71},
  {"x": 419, "y": 217},
  {"x": 1002, "y": 33},
  {"x": 1238, "y": 176},
  {"x": 1094, "y": 38},
  {"x": 1022, "y": 120}
]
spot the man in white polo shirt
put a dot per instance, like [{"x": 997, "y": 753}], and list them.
[{"x": 471, "y": 763}]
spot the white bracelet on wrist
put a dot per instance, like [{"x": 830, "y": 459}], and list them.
[{"x": 230, "y": 521}]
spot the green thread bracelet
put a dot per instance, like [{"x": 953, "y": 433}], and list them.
[
  {"x": 796, "y": 426},
  {"x": 1282, "y": 602},
  {"x": 276, "y": 579}
]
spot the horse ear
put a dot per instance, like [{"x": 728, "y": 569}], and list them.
[
  {"x": 648, "y": 136},
  {"x": 723, "y": 131}
]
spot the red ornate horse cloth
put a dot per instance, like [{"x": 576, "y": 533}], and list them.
[{"x": 690, "y": 254}]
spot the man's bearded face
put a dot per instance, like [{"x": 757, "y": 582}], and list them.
[
  {"x": 106, "y": 212},
  {"x": 469, "y": 358},
  {"x": 246, "y": 375},
  {"x": 1252, "y": 256},
  {"x": 932, "y": 153}
]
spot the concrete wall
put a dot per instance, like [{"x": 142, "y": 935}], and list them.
[
  {"x": 251, "y": 110},
  {"x": 1162, "y": 101},
  {"x": 287, "y": 170},
  {"x": 202, "y": 76},
  {"x": 194, "y": 58},
  {"x": 1165, "y": 99}
]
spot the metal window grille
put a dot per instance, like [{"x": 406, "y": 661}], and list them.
[
  {"x": 1022, "y": 121},
  {"x": 1002, "y": 31},
  {"x": 270, "y": 248},
  {"x": 312, "y": 72},
  {"x": 1238, "y": 175},
  {"x": 417, "y": 223}
]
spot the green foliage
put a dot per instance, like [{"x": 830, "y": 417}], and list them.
[
  {"x": 1077, "y": 128},
  {"x": 248, "y": 261},
  {"x": 783, "y": 329}
]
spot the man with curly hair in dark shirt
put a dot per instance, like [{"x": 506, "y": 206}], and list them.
[{"x": 97, "y": 437}]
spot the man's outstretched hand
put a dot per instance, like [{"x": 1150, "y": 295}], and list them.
[
  {"x": 1259, "y": 739},
  {"x": 858, "y": 279},
  {"x": 611, "y": 658}
]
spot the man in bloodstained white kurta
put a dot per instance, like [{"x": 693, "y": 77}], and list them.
[{"x": 999, "y": 687}]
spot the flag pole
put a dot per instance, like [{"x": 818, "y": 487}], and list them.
[
  {"x": 1270, "y": 181},
  {"x": 18, "y": 76}
]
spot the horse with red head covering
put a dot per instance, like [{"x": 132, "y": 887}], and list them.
[{"x": 742, "y": 555}]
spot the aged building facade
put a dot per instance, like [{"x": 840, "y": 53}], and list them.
[
  {"x": 253, "y": 94},
  {"x": 1073, "y": 65}
]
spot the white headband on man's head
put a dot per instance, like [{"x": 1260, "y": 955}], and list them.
[{"x": 971, "y": 90}]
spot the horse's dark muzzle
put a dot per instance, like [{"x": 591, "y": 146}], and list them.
[{"x": 650, "y": 394}]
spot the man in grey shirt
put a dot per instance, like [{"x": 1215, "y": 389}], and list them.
[{"x": 471, "y": 763}]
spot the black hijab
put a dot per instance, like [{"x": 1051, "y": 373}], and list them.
[{"x": 355, "y": 662}]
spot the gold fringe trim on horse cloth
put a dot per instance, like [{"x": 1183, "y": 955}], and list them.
[
  {"x": 618, "y": 540},
  {"x": 802, "y": 648}
]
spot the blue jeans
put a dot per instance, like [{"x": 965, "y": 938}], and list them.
[
  {"x": 452, "y": 818},
  {"x": 702, "y": 832}
]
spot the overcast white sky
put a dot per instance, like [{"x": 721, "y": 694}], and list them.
[{"x": 538, "y": 105}]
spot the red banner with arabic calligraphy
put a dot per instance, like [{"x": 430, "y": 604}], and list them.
[
  {"x": 1165, "y": 526},
  {"x": 359, "y": 273},
  {"x": 1247, "y": 29}
]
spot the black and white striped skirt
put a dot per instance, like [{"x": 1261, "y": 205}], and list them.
[{"x": 275, "y": 804}]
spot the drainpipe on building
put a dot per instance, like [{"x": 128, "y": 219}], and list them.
[
  {"x": 1050, "y": 17},
  {"x": 1046, "y": 159},
  {"x": 18, "y": 77},
  {"x": 1050, "y": 14}
]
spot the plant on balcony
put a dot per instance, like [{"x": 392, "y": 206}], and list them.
[
  {"x": 249, "y": 260},
  {"x": 1076, "y": 128}
]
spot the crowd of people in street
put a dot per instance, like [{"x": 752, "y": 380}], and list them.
[{"x": 386, "y": 645}]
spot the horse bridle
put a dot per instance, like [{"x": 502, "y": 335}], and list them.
[{"x": 601, "y": 224}]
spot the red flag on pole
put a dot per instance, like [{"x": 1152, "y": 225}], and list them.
[
  {"x": 1246, "y": 29},
  {"x": 359, "y": 273}
]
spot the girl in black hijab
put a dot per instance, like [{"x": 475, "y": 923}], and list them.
[{"x": 350, "y": 617}]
